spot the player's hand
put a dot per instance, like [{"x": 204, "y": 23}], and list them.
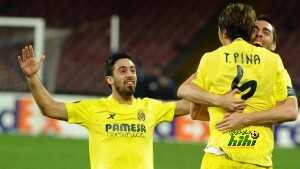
[
  {"x": 232, "y": 121},
  {"x": 230, "y": 102},
  {"x": 28, "y": 64}
]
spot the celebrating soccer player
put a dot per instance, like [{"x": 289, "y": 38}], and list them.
[
  {"x": 260, "y": 77},
  {"x": 264, "y": 35},
  {"x": 120, "y": 126}
]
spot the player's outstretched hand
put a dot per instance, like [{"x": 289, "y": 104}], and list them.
[
  {"x": 28, "y": 64},
  {"x": 232, "y": 121}
]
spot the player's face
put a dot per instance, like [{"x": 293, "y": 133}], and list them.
[
  {"x": 124, "y": 77},
  {"x": 262, "y": 35}
]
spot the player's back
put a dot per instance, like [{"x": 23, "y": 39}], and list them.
[
  {"x": 253, "y": 70},
  {"x": 259, "y": 74}
]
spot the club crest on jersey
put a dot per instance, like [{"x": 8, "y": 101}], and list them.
[
  {"x": 243, "y": 138},
  {"x": 141, "y": 116}
]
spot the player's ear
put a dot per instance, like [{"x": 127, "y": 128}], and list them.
[
  {"x": 225, "y": 34},
  {"x": 222, "y": 35},
  {"x": 273, "y": 46},
  {"x": 109, "y": 80}
]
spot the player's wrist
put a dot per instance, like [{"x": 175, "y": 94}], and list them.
[
  {"x": 246, "y": 120},
  {"x": 220, "y": 101},
  {"x": 217, "y": 101},
  {"x": 31, "y": 77}
]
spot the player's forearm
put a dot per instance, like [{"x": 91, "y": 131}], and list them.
[
  {"x": 182, "y": 108},
  {"x": 284, "y": 112},
  {"x": 46, "y": 103},
  {"x": 197, "y": 95},
  {"x": 199, "y": 112}
]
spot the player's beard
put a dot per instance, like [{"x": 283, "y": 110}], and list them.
[{"x": 125, "y": 91}]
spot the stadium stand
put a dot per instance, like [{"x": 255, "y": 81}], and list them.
[
  {"x": 150, "y": 31},
  {"x": 153, "y": 32}
]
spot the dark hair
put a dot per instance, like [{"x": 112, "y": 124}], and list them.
[
  {"x": 238, "y": 20},
  {"x": 269, "y": 20},
  {"x": 112, "y": 59}
]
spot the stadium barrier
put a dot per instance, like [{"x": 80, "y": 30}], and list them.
[{"x": 20, "y": 114}]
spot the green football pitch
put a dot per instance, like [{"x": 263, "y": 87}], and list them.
[{"x": 20, "y": 152}]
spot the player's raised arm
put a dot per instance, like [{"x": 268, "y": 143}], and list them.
[{"x": 30, "y": 67}]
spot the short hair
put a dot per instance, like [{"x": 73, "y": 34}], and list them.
[
  {"x": 112, "y": 59},
  {"x": 238, "y": 20},
  {"x": 269, "y": 20}
]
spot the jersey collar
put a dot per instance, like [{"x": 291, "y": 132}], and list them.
[
  {"x": 238, "y": 39},
  {"x": 114, "y": 101}
]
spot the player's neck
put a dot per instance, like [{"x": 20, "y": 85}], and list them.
[
  {"x": 122, "y": 99},
  {"x": 226, "y": 41}
]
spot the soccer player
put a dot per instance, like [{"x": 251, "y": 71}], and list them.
[
  {"x": 264, "y": 35},
  {"x": 257, "y": 73},
  {"x": 120, "y": 126}
]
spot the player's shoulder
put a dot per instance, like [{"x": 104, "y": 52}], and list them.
[
  {"x": 217, "y": 51},
  {"x": 209, "y": 55},
  {"x": 265, "y": 51},
  {"x": 151, "y": 101},
  {"x": 94, "y": 101},
  {"x": 213, "y": 52},
  {"x": 147, "y": 100},
  {"x": 157, "y": 102},
  {"x": 272, "y": 56},
  {"x": 212, "y": 57}
]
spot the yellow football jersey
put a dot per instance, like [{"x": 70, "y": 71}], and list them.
[
  {"x": 120, "y": 135},
  {"x": 260, "y": 75}
]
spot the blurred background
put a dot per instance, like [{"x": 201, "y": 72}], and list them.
[{"x": 166, "y": 39}]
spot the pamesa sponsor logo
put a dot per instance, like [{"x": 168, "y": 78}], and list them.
[{"x": 125, "y": 130}]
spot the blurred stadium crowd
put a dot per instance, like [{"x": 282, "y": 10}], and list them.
[{"x": 161, "y": 36}]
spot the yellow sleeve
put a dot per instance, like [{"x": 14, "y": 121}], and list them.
[
  {"x": 201, "y": 73},
  {"x": 164, "y": 111},
  {"x": 281, "y": 84},
  {"x": 78, "y": 113}
]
